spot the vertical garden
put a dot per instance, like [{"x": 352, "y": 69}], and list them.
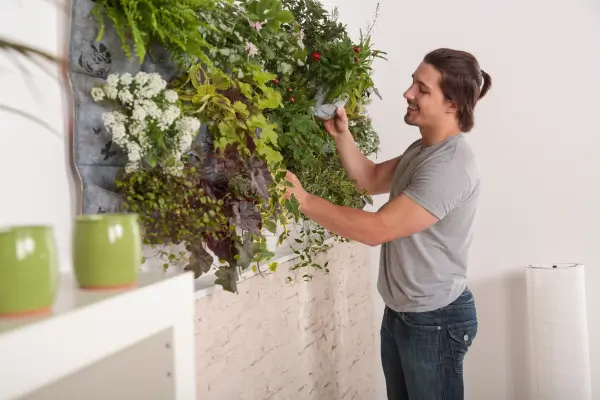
[{"x": 207, "y": 143}]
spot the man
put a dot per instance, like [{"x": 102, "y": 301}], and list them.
[{"x": 425, "y": 229}]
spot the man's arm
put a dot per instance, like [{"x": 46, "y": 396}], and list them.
[
  {"x": 436, "y": 188},
  {"x": 401, "y": 217},
  {"x": 374, "y": 178}
]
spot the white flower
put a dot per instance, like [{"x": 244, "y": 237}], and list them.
[
  {"x": 251, "y": 49},
  {"x": 113, "y": 118},
  {"x": 141, "y": 78},
  {"x": 97, "y": 94},
  {"x": 301, "y": 35},
  {"x": 150, "y": 85},
  {"x": 151, "y": 108},
  {"x": 136, "y": 129},
  {"x": 134, "y": 152},
  {"x": 169, "y": 115},
  {"x": 185, "y": 143},
  {"x": 112, "y": 80},
  {"x": 139, "y": 113},
  {"x": 156, "y": 85},
  {"x": 126, "y": 79},
  {"x": 118, "y": 134},
  {"x": 125, "y": 96},
  {"x": 188, "y": 126},
  {"x": 115, "y": 124},
  {"x": 256, "y": 25},
  {"x": 131, "y": 167},
  {"x": 171, "y": 96},
  {"x": 111, "y": 92}
]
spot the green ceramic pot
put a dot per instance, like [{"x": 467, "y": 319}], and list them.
[
  {"x": 107, "y": 251},
  {"x": 28, "y": 271}
]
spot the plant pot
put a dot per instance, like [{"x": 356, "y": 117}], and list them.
[
  {"x": 107, "y": 251},
  {"x": 28, "y": 271}
]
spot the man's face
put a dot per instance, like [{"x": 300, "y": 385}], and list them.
[{"x": 427, "y": 106}]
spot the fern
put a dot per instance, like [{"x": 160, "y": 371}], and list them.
[{"x": 172, "y": 23}]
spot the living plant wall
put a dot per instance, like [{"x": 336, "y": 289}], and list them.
[{"x": 188, "y": 112}]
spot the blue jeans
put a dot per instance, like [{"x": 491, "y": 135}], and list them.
[{"x": 422, "y": 353}]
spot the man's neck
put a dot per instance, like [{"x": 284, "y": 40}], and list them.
[{"x": 431, "y": 137}]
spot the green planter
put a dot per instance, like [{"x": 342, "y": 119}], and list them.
[
  {"x": 28, "y": 271},
  {"x": 107, "y": 251}
]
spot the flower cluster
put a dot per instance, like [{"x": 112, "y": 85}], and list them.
[{"x": 148, "y": 125}]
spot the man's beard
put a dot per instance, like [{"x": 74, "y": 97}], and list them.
[{"x": 407, "y": 120}]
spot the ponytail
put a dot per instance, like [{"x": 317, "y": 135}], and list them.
[{"x": 487, "y": 84}]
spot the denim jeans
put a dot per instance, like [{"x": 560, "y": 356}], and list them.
[{"x": 422, "y": 353}]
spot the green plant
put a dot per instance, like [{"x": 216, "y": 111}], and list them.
[
  {"x": 255, "y": 71},
  {"x": 38, "y": 57},
  {"x": 172, "y": 23}
]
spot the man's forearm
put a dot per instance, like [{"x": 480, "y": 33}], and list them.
[
  {"x": 357, "y": 166},
  {"x": 347, "y": 222}
]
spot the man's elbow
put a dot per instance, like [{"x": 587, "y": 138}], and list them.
[
  {"x": 382, "y": 236},
  {"x": 374, "y": 240}
]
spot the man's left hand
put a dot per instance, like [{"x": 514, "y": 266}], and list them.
[{"x": 297, "y": 190}]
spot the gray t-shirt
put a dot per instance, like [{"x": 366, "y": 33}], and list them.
[{"x": 428, "y": 270}]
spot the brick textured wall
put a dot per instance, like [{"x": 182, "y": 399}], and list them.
[{"x": 278, "y": 340}]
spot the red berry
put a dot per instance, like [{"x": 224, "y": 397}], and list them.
[
  {"x": 276, "y": 81},
  {"x": 316, "y": 56},
  {"x": 292, "y": 99},
  {"x": 291, "y": 89},
  {"x": 357, "y": 59},
  {"x": 356, "y": 49}
]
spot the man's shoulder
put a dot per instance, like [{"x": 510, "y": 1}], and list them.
[
  {"x": 455, "y": 156},
  {"x": 465, "y": 157}
]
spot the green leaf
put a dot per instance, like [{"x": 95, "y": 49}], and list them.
[
  {"x": 271, "y": 100},
  {"x": 152, "y": 161},
  {"x": 246, "y": 252},
  {"x": 220, "y": 80},
  {"x": 273, "y": 266},
  {"x": 227, "y": 277},
  {"x": 246, "y": 89},
  {"x": 270, "y": 226},
  {"x": 200, "y": 260},
  {"x": 240, "y": 108},
  {"x": 262, "y": 77},
  {"x": 284, "y": 16},
  {"x": 227, "y": 130}
]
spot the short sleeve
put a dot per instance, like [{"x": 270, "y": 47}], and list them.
[{"x": 438, "y": 187}]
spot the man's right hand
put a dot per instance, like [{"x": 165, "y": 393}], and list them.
[
  {"x": 338, "y": 126},
  {"x": 374, "y": 178}
]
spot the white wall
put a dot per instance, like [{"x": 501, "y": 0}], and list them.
[
  {"x": 281, "y": 341},
  {"x": 537, "y": 138},
  {"x": 35, "y": 181}
]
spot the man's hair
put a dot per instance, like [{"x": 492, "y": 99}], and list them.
[{"x": 463, "y": 82}]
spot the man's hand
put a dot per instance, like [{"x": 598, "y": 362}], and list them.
[
  {"x": 338, "y": 126},
  {"x": 297, "y": 190}
]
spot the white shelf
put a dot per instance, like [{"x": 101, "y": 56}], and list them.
[{"x": 87, "y": 327}]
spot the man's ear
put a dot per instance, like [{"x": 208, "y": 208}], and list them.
[{"x": 451, "y": 107}]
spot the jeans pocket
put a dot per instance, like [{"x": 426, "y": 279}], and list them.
[
  {"x": 461, "y": 337},
  {"x": 423, "y": 321}
]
